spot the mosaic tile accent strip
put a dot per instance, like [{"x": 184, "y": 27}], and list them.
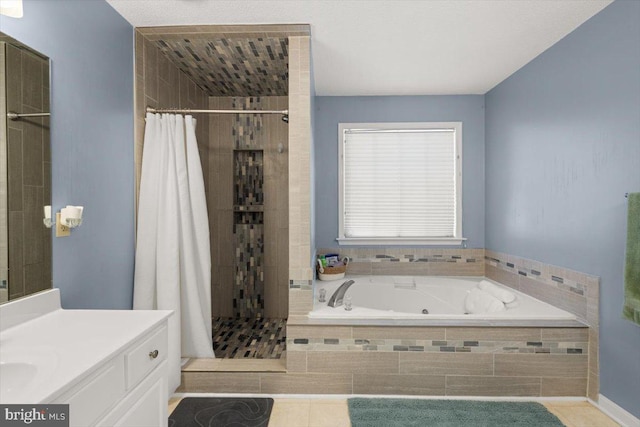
[
  {"x": 248, "y": 189},
  {"x": 249, "y": 338},
  {"x": 564, "y": 283},
  {"x": 248, "y": 289},
  {"x": 305, "y": 285},
  {"x": 231, "y": 66},
  {"x": 450, "y": 346},
  {"x": 248, "y": 129},
  {"x": 461, "y": 256}
]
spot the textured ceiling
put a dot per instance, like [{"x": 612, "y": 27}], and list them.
[
  {"x": 395, "y": 47},
  {"x": 225, "y": 66}
]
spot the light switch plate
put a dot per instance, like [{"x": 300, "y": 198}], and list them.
[{"x": 61, "y": 230}]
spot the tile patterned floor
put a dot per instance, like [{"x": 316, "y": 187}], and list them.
[
  {"x": 580, "y": 414},
  {"x": 335, "y": 413},
  {"x": 249, "y": 338}
]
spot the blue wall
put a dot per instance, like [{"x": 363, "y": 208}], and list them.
[
  {"x": 91, "y": 52},
  {"x": 562, "y": 148},
  {"x": 330, "y": 110}
]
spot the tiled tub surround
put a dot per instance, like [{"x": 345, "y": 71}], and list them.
[
  {"x": 567, "y": 289},
  {"x": 444, "y": 359},
  {"x": 575, "y": 292}
]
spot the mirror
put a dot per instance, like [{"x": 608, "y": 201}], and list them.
[{"x": 25, "y": 170}]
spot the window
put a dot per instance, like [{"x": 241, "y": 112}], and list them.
[{"x": 400, "y": 183}]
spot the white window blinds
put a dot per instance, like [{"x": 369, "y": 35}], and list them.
[{"x": 400, "y": 183}]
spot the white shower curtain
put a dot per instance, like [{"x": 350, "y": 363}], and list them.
[{"x": 173, "y": 262}]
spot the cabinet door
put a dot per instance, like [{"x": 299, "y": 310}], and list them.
[
  {"x": 145, "y": 406},
  {"x": 95, "y": 395}
]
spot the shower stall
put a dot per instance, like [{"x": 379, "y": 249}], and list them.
[
  {"x": 248, "y": 209},
  {"x": 245, "y": 162}
]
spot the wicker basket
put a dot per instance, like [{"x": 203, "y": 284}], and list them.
[{"x": 332, "y": 273}]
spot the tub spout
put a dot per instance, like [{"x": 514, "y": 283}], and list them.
[{"x": 338, "y": 296}]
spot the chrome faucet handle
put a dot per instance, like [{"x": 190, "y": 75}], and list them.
[{"x": 337, "y": 298}]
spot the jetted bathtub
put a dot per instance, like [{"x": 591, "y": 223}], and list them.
[{"x": 423, "y": 297}]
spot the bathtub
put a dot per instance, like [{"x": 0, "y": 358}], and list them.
[{"x": 424, "y": 298}]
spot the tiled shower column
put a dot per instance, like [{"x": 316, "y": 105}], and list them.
[
  {"x": 248, "y": 232},
  {"x": 248, "y": 217},
  {"x": 300, "y": 251}
]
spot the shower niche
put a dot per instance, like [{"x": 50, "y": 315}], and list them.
[{"x": 248, "y": 233}]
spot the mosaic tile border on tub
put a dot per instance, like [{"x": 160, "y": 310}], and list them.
[
  {"x": 544, "y": 275},
  {"x": 410, "y": 255},
  {"x": 303, "y": 285},
  {"x": 438, "y": 346}
]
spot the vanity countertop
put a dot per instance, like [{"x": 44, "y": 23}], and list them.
[{"x": 56, "y": 350}]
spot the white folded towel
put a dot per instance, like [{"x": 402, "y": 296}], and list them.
[
  {"x": 511, "y": 305},
  {"x": 502, "y": 294},
  {"x": 478, "y": 301}
]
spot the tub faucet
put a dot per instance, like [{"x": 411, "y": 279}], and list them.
[{"x": 338, "y": 296}]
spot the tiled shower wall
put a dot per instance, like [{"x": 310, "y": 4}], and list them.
[
  {"x": 28, "y": 172},
  {"x": 300, "y": 263},
  {"x": 160, "y": 84},
  {"x": 300, "y": 251},
  {"x": 267, "y": 197}
]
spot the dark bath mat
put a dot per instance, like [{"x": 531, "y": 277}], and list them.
[{"x": 221, "y": 412}]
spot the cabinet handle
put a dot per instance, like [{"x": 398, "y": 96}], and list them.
[{"x": 153, "y": 354}]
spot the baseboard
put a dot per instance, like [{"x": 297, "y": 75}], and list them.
[
  {"x": 620, "y": 415},
  {"x": 385, "y": 396}
]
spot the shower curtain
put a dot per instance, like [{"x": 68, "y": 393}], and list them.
[{"x": 173, "y": 262}]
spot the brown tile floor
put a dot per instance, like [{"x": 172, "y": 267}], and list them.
[{"x": 335, "y": 413}]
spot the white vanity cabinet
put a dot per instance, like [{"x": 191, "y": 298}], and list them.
[
  {"x": 128, "y": 390},
  {"x": 110, "y": 366}
]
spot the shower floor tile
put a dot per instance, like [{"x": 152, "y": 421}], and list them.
[{"x": 249, "y": 338}]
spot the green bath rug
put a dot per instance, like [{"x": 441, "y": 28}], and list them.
[{"x": 448, "y": 413}]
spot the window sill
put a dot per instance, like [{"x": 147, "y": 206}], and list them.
[{"x": 406, "y": 241}]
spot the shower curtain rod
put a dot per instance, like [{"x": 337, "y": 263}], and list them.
[
  {"x": 189, "y": 111},
  {"x": 11, "y": 115}
]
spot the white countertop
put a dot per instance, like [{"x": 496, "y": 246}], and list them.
[{"x": 67, "y": 344}]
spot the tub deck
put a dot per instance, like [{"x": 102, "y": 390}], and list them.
[{"x": 399, "y": 301}]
